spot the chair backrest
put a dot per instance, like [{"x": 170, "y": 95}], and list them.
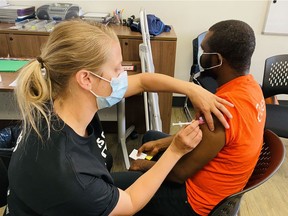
[
  {"x": 275, "y": 78},
  {"x": 5, "y": 156},
  {"x": 206, "y": 82},
  {"x": 196, "y": 43},
  {"x": 271, "y": 157}
]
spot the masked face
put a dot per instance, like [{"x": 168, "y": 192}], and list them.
[
  {"x": 206, "y": 61},
  {"x": 119, "y": 86}
]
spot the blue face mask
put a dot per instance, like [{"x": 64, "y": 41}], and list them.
[{"x": 119, "y": 86}]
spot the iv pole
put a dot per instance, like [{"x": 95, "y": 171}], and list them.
[{"x": 151, "y": 104}]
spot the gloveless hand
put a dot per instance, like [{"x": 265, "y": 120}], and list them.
[
  {"x": 204, "y": 102},
  {"x": 187, "y": 139}
]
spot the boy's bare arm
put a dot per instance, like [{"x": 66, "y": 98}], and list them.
[{"x": 212, "y": 142}]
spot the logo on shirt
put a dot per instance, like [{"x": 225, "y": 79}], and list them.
[
  {"x": 101, "y": 144},
  {"x": 260, "y": 107},
  {"x": 18, "y": 140}
]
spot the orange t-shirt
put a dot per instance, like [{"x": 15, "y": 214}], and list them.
[{"x": 230, "y": 170}]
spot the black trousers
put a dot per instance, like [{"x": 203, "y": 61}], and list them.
[
  {"x": 3, "y": 183},
  {"x": 169, "y": 200}
]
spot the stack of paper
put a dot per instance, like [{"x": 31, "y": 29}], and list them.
[
  {"x": 12, "y": 13},
  {"x": 3, "y": 3}
]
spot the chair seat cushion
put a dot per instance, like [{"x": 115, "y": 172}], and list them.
[{"x": 276, "y": 119}]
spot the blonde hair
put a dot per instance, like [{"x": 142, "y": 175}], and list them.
[{"x": 73, "y": 45}]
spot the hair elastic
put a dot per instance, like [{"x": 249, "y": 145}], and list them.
[
  {"x": 40, "y": 60},
  {"x": 43, "y": 69}
]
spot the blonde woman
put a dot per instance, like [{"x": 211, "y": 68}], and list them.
[{"x": 59, "y": 163}]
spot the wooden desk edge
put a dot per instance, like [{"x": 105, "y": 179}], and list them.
[
  {"x": 121, "y": 31},
  {"x": 7, "y": 79}
]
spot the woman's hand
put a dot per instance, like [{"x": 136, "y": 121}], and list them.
[
  {"x": 187, "y": 139},
  {"x": 204, "y": 102}
]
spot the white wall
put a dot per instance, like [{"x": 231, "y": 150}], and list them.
[{"x": 191, "y": 17}]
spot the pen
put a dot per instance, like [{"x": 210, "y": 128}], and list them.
[{"x": 116, "y": 16}]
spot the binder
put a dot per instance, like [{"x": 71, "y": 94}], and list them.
[
  {"x": 10, "y": 13},
  {"x": 7, "y": 65}
]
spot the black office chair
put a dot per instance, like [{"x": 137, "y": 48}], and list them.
[
  {"x": 195, "y": 76},
  {"x": 5, "y": 156},
  {"x": 270, "y": 160},
  {"x": 275, "y": 81}
]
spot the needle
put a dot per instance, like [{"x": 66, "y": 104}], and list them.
[
  {"x": 181, "y": 123},
  {"x": 201, "y": 121}
]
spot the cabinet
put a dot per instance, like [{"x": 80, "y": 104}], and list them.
[
  {"x": 28, "y": 44},
  {"x": 20, "y": 44},
  {"x": 4, "y": 46},
  {"x": 164, "y": 60},
  {"x": 25, "y": 45}
]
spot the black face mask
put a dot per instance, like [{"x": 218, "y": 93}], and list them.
[{"x": 206, "y": 63}]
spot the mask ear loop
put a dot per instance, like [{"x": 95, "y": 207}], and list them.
[
  {"x": 97, "y": 96},
  {"x": 215, "y": 66},
  {"x": 93, "y": 93},
  {"x": 100, "y": 77}
]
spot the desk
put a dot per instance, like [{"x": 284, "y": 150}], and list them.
[{"x": 27, "y": 44}]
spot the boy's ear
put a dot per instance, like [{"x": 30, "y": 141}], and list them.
[{"x": 83, "y": 78}]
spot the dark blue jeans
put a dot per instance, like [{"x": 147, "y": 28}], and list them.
[{"x": 170, "y": 199}]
